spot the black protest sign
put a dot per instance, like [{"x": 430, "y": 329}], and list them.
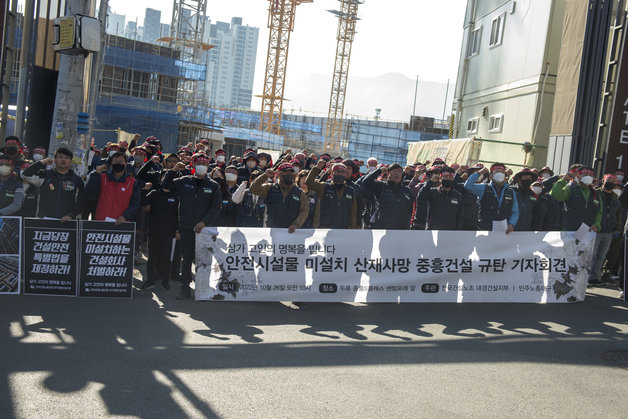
[
  {"x": 107, "y": 252},
  {"x": 10, "y": 236},
  {"x": 50, "y": 257}
]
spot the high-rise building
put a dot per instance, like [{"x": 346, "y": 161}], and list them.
[
  {"x": 131, "y": 30},
  {"x": 164, "y": 30},
  {"x": 231, "y": 64},
  {"x": 115, "y": 23},
  {"x": 152, "y": 25}
]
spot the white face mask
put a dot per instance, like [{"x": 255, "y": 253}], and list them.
[
  {"x": 537, "y": 190},
  {"x": 220, "y": 158},
  {"x": 37, "y": 157},
  {"x": 231, "y": 177},
  {"x": 251, "y": 164},
  {"x": 499, "y": 177},
  {"x": 262, "y": 163},
  {"x": 201, "y": 170},
  {"x": 620, "y": 178},
  {"x": 371, "y": 169},
  {"x": 545, "y": 176},
  {"x": 586, "y": 180},
  {"x": 618, "y": 192}
]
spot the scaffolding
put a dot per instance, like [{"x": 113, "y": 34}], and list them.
[
  {"x": 186, "y": 36},
  {"x": 139, "y": 90}
]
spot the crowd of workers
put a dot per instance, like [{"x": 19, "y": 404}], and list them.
[{"x": 175, "y": 196}]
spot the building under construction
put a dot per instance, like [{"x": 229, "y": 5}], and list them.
[{"x": 139, "y": 92}]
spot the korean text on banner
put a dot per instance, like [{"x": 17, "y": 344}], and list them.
[
  {"x": 107, "y": 259},
  {"x": 50, "y": 257},
  {"x": 391, "y": 266}
]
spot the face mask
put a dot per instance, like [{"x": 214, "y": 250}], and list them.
[
  {"x": 220, "y": 158},
  {"x": 618, "y": 192},
  {"x": 371, "y": 169},
  {"x": 231, "y": 177},
  {"x": 526, "y": 183},
  {"x": 123, "y": 150},
  {"x": 287, "y": 179},
  {"x": 545, "y": 176},
  {"x": 339, "y": 179},
  {"x": 447, "y": 183},
  {"x": 499, "y": 177},
  {"x": 586, "y": 180},
  {"x": 537, "y": 190},
  {"x": 138, "y": 160},
  {"x": 620, "y": 178},
  {"x": 37, "y": 157},
  {"x": 201, "y": 170},
  {"x": 118, "y": 167},
  {"x": 262, "y": 163},
  {"x": 11, "y": 150},
  {"x": 5, "y": 170},
  {"x": 251, "y": 164},
  {"x": 609, "y": 186}
]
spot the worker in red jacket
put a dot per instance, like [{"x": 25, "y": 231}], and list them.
[{"x": 118, "y": 193}]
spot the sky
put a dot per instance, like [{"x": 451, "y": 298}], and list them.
[{"x": 410, "y": 37}]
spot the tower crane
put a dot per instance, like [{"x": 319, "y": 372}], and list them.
[
  {"x": 281, "y": 23},
  {"x": 347, "y": 18}
]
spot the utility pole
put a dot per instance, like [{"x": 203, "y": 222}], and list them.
[
  {"x": 97, "y": 66},
  {"x": 446, "y": 96},
  {"x": 25, "y": 58},
  {"x": 7, "y": 57},
  {"x": 416, "y": 91},
  {"x": 69, "y": 98}
]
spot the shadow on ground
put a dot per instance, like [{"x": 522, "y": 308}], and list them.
[{"x": 133, "y": 347}]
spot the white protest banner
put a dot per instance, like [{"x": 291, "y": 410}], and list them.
[{"x": 256, "y": 264}]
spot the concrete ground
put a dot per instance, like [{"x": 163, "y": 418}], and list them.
[{"x": 154, "y": 356}]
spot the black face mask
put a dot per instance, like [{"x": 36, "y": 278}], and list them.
[
  {"x": 123, "y": 150},
  {"x": 11, "y": 150},
  {"x": 339, "y": 179},
  {"x": 526, "y": 183},
  {"x": 609, "y": 186},
  {"x": 447, "y": 183},
  {"x": 118, "y": 167},
  {"x": 287, "y": 179}
]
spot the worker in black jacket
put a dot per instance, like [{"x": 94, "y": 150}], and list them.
[
  {"x": 31, "y": 194},
  {"x": 526, "y": 199},
  {"x": 200, "y": 201},
  {"x": 439, "y": 207},
  {"x": 394, "y": 200},
  {"x": 62, "y": 192},
  {"x": 11, "y": 189},
  {"x": 163, "y": 220}
]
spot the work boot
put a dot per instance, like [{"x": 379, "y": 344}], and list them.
[{"x": 185, "y": 292}]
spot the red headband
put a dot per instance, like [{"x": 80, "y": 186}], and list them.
[
  {"x": 286, "y": 166},
  {"x": 200, "y": 158}
]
